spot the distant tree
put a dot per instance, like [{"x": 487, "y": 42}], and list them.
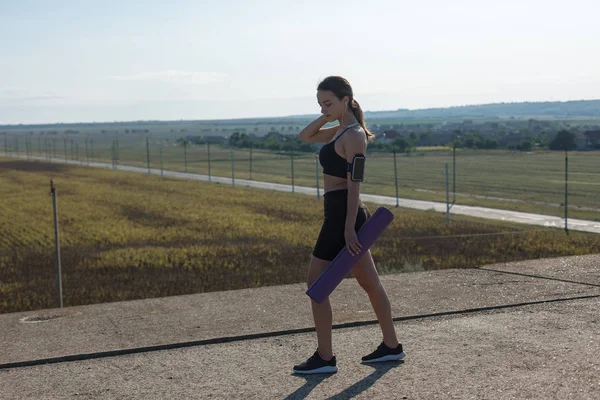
[
  {"x": 288, "y": 145},
  {"x": 592, "y": 139},
  {"x": 198, "y": 140},
  {"x": 564, "y": 140},
  {"x": 306, "y": 147},
  {"x": 233, "y": 139},
  {"x": 490, "y": 144},
  {"x": 183, "y": 141},
  {"x": 413, "y": 138},
  {"x": 473, "y": 140},
  {"x": 272, "y": 145},
  {"x": 470, "y": 142},
  {"x": 526, "y": 145},
  {"x": 400, "y": 144},
  {"x": 244, "y": 141}
]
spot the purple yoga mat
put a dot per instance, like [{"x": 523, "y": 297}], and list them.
[{"x": 343, "y": 262}]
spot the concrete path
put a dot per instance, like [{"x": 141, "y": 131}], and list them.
[{"x": 523, "y": 330}]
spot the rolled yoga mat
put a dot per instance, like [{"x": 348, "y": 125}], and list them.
[{"x": 339, "y": 267}]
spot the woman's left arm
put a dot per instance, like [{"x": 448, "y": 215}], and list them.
[{"x": 354, "y": 144}]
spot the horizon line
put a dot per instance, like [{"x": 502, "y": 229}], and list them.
[{"x": 292, "y": 115}]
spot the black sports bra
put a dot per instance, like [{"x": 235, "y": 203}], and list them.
[{"x": 332, "y": 163}]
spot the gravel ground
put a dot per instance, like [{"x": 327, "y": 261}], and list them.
[
  {"x": 545, "y": 351},
  {"x": 524, "y": 330}
]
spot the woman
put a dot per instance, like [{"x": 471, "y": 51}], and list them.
[{"x": 344, "y": 215}]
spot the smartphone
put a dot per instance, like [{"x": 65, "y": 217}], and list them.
[{"x": 358, "y": 168}]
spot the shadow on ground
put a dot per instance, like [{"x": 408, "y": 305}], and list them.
[{"x": 312, "y": 381}]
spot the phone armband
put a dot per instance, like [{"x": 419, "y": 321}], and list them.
[{"x": 357, "y": 168}]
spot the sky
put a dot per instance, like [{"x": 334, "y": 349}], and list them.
[{"x": 102, "y": 61}]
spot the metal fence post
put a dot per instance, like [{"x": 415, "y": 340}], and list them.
[
  {"x": 185, "y": 155},
  {"x": 148, "y": 153},
  {"x": 292, "y": 159},
  {"x": 232, "y": 169},
  {"x": 317, "y": 175},
  {"x": 117, "y": 152},
  {"x": 208, "y": 147},
  {"x": 454, "y": 174},
  {"x": 56, "y": 242},
  {"x": 250, "y": 163},
  {"x": 566, "y": 193},
  {"x": 447, "y": 196},
  {"x": 396, "y": 177},
  {"x": 161, "y": 160}
]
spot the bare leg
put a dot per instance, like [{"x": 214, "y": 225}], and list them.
[
  {"x": 368, "y": 278},
  {"x": 321, "y": 312}
]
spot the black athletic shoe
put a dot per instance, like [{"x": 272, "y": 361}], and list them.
[
  {"x": 384, "y": 353},
  {"x": 316, "y": 365}
]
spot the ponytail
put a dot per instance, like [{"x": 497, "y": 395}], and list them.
[{"x": 360, "y": 117}]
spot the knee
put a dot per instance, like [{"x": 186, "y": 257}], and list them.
[
  {"x": 314, "y": 271},
  {"x": 371, "y": 287}
]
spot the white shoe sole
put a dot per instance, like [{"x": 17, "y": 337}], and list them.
[
  {"x": 322, "y": 370},
  {"x": 391, "y": 357}
]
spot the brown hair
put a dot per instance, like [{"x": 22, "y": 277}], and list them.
[{"x": 340, "y": 87}]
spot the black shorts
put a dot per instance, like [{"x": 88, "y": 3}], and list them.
[{"x": 331, "y": 238}]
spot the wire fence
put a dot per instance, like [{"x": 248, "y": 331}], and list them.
[
  {"x": 96, "y": 269},
  {"x": 531, "y": 182}
]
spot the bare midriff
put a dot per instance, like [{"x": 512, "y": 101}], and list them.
[{"x": 334, "y": 183}]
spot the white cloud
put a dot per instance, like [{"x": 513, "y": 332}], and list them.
[{"x": 175, "y": 76}]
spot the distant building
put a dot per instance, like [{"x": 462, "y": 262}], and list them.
[{"x": 388, "y": 136}]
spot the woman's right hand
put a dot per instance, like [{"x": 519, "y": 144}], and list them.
[{"x": 326, "y": 119}]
